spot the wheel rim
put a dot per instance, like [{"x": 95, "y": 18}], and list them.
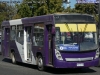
[{"x": 40, "y": 62}]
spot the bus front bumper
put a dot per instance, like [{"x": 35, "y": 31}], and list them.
[{"x": 64, "y": 64}]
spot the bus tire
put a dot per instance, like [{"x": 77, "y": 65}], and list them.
[
  {"x": 13, "y": 57},
  {"x": 40, "y": 63}
]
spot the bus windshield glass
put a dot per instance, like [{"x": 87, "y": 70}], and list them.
[{"x": 76, "y": 37}]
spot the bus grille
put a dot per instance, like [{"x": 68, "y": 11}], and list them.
[{"x": 78, "y": 59}]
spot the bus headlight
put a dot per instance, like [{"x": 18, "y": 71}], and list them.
[
  {"x": 58, "y": 55},
  {"x": 97, "y": 54}
]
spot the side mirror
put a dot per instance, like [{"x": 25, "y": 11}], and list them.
[{"x": 53, "y": 30}]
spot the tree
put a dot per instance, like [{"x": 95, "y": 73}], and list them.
[
  {"x": 6, "y": 12},
  {"x": 24, "y": 10},
  {"x": 16, "y": 16},
  {"x": 87, "y": 8},
  {"x": 69, "y": 10},
  {"x": 55, "y": 6},
  {"x": 3, "y": 12},
  {"x": 39, "y": 7}
]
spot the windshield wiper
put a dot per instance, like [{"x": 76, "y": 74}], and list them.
[
  {"x": 67, "y": 27},
  {"x": 85, "y": 27}
]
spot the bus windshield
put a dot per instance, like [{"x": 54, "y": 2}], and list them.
[{"x": 75, "y": 37}]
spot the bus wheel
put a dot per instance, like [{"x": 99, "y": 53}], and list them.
[
  {"x": 40, "y": 63},
  {"x": 13, "y": 58}
]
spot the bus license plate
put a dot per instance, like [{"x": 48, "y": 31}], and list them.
[{"x": 80, "y": 64}]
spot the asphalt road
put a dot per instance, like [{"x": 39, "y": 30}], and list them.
[{"x": 7, "y": 68}]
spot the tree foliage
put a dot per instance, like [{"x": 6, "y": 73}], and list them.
[
  {"x": 88, "y": 9},
  {"x": 24, "y": 10},
  {"x": 3, "y": 12},
  {"x": 16, "y": 16},
  {"x": 6, "y": 12},
  {"x": 39, "y": 7},
  {"x": 70, "y": 10},
  {"x": 84, "y": 9}
]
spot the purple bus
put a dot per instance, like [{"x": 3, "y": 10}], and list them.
[{"x": 55, "y": 40}]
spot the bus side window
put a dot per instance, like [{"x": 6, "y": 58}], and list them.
[
  {"x": 13, "y": 33},
  {"x": 34, "y": 41},
  {"x": 28, "y": 34},
  {"x": 38, "y": 34},
  {"x": 20, "y": 35}
]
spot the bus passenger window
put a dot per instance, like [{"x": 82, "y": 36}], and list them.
[
  {"x": 38, "y": 34},
  {"x": 20, "y": 35},
  {"x": 13, "y": 33},
  {"x": 34, "y": 41}
]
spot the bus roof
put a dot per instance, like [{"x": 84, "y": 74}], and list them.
[
  {"x": 73, "y": 18},
  {"x": 27, "y": 19},
  {"x": 72, "y": 14}
]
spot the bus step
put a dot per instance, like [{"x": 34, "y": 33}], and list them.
[{"x": 50, "y": 65}]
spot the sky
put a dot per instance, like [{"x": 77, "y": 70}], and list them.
[{"x": 72, "y": 3}]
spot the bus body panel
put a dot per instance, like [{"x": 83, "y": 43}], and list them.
[
  {"x": 6, "y": 42},
  {"x": 14, "y": 47},
  {"x": 64, "y": 64}
]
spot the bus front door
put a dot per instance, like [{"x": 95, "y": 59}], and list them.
[
  {"x": 50, "y": 43},
  {"x": 7, "y": 42}
]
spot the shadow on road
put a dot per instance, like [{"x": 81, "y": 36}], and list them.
[
  {"x": 20, "y": 64},
  {"x": 70, "y": 71},
  {"x": 6, "y": 60},
  {"x": 54, "y": 70}
]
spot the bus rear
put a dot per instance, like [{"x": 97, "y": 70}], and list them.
[{"x": 76, "y": 41}]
